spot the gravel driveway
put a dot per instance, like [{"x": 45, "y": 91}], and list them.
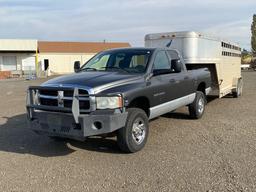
[{"x": 215, "y": 153}]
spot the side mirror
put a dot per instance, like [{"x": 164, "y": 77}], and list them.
[
  {"x": 176, "y": 65},
  {"x": 76, "y": 66}
]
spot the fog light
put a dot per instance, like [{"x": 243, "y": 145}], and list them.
[{"x": 97, "y": 125}]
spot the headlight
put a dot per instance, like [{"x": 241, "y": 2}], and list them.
[{"x": 109, "y": 102}]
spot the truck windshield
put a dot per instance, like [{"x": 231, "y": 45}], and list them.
[{"x": 129, "y": 61}]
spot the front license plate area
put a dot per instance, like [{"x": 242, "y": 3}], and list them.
[{"x": 54, "y": 122}]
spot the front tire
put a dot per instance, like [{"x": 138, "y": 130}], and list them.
[
  {"x": 197, "y": 108},
  {"x": 133, "y": 136}
]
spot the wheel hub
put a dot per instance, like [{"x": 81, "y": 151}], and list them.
[
  {"x": 201, "y": 105},
  {"x": 138, "y": 131}
]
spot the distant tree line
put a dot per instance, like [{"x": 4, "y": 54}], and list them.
[
  {"x": 253, "y": 38},
  {"x": 253, "y": 41},
  {"x": 246, "y": 57},
  {"x": 249, "y": 57}
]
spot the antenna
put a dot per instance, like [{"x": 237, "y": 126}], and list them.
[{"x": 169, "y": 44}]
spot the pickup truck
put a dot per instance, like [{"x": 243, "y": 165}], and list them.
[{"x": 116, "y": 93}]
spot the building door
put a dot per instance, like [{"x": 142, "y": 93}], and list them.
[
  {"x": 9, "y": 63},
  {"x": 29, "y": 64}
]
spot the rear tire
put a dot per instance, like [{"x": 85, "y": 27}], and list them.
[
  {"x": 197, "y": 108},
  {"x": 133, "y": 136},
  {"x": 239, "y": 90}
]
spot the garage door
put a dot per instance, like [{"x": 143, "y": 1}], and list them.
[
  {"x": 9, "y": 63},
  {"x": 29, "y": 64}
]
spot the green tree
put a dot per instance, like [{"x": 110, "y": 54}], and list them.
[{"x": 253, "y": 39}]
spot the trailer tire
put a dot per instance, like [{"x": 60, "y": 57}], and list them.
[
  {"x": 239, "y": 89},
  {"x": 197, "y": 108},
  {"x": 133, "y": 136}
]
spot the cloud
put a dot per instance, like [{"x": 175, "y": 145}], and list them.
[
  {"x": 237, "y": 31},
  {"x": 115, "y": 20}
]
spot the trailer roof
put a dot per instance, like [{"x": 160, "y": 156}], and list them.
[{"x": 185, "y": 34}]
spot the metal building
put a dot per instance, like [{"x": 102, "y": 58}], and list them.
[
  {"x": 58, "y": 57},
  {"x": 17, "y": 56},
  {"x": 44, "y": 58}
]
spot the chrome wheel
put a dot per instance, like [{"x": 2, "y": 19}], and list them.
[
  {"x": 138, "y": 131},
  {"x": 201, "y": 105}
]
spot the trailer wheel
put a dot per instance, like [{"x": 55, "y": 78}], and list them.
[
  {"x": 133, "y": 136},
  {"x": 239, "y": 89},
  {"x": 197, "y": 108}
]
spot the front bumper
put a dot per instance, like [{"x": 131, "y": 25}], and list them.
[
  {"x": 72, "y": 122},
  {"x": 64, "y": 125}
]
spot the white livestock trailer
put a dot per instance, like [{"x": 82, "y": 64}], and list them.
[{"x": 221, "y": 57}]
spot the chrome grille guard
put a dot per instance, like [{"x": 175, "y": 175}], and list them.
[{"x": 33, "y": 101}]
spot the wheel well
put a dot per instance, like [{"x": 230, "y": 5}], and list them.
[
  {"x": 201, "y": 87},
  {"x": 142, "y": 103}
]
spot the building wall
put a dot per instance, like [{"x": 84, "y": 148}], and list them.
[
  {"x": 62, "y": 63},
  {"x": 21, "y": 60}
]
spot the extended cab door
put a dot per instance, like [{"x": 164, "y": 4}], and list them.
[
  {"x": 170, "y": 85},
  {"x": 165, "y": 84},
  {"x": 160, "y": 82},
  {"x": 181, "y": 82}
]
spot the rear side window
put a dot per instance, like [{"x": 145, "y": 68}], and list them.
[{"x": 161, "y": 61}]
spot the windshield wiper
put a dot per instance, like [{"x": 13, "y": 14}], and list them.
[
  {"x": 88, "y": 68},
  {"x": 112, "y": 67}
]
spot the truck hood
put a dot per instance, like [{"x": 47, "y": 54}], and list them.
[{"x": 97, "y": 80}]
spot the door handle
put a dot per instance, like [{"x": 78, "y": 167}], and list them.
[{"x": 186, "y": 77}]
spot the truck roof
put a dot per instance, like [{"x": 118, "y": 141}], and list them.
[{"x": 132, "y": 48}]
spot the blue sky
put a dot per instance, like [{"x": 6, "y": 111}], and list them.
[{"x": 126, "y": 21}]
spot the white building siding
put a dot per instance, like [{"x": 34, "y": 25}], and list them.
[
  {"x": 62, "y": 63},
  {"x": 19, "y": 57}
]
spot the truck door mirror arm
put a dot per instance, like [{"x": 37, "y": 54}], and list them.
[{"x": 149, "y": 76}]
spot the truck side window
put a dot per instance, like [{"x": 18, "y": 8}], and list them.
[{"x": 161, "y": 61}]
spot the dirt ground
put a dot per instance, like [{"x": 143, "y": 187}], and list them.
[{"x": 215, "y": 153}]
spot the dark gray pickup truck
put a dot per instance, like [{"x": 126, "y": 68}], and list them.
[{"x": 116, "y": 93}]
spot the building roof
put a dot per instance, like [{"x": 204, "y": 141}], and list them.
[
  {"x": 18, "y": 45},
  {"x": 77, "y": 47}
]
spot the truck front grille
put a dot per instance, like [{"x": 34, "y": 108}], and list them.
[
  {"x": 49, "y": 102},
  {"x": 49, "y": 92},
  {"x": 63, "y": 98}
]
